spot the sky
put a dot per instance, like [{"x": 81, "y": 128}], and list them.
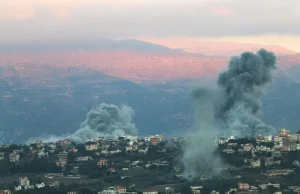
[{"x": 274, "y": 22}]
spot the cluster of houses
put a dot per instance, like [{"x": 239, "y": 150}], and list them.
[
  {"x": 275, "y": 146},
  {"x": 100, "y": 146},
  {"x": 25, "y": 183},
  {"x": 282, "y": 143},
  {"x": 246, "y": 187}
]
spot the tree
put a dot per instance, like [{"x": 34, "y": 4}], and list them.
[
  {"x": 272, "y": 189},
  {"x": 85, "y": 191},
  {"x": 80, "y": 148},
  {"x": 186, "y": 189}
]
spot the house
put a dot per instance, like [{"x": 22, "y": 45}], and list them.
[
  {"x": 41, "y": 185},
  {"x": 214, "y": 192},
  {"x": 222, "y": 141},
  {"x": 62, "y": 159},
  {"x": 5, "y": 192},
  {"x": 24, "y": 181},
  {"x": 177, "y": 168},
  {"x": 196, "y": 189},
  {"x": 285, "y": 148},
  {"x": 73, "y": 149},
  {"x": 128, "y": 148},
  {"x": 265, "y": 186},
  {"x": 110, "y": 190},
  {"x": 105, "y": 152},
  {"x": 296, "y": 163},
  {"x": 298, "y": 146},
  {"x": 276, "y": 153},
  {"x": 29, "y": 187},
  {"x": 261, "y": 148},
  {"x": 1, "y": 155},
  {"x": 232, "y": 190},
  {"x": 55, "y": 184},
  {"x": 232, "y": 145},
  {"x": 141, "y": 143},
  {"x": 268, "y": 138},
  {"x": 228, "y": 151},
  {"x": 102, "y": 162},
  {"x": 134, "y": 147},
  {"x": 121, "y": 189},
  {"x": 42, "y": 154},
  {"x": 269, "y": 162},
  {"x": 72, "y": 192},
  {"x": 39, "y": 144},
  {"x": 64, "y": 142},
  {"x": 14, "y": 157},
  {"x": 114, "y": 151},
  {"x": 243, "y": 186},
  {"x": 18, "y": 188},
  {"x": 154, "y": 140},
  {"x": 293, "y": 147},
  {"x": 284, "y": 132},
  {"x": 143, "y": 151},
  {"x": 279, "y": 172},
  {"x": 132, "y": 138},
  {"x": 292, "y": 138},
  {"x": 18, "y": 151},
  {"x": 278, "y": 139},
  {"x": 83, "y": 158},
  {"x": 92, "y": 140},
  {"x": 91, "y": 146},
  {"x": 169, "y": 190},
  {"x": 255, "y": 163},
  {"x": 247, "y": 147},
  {"x": 111, "y": 170},
  {"x": 51, "y": 145},
  {"x": 150, "y": 191}
]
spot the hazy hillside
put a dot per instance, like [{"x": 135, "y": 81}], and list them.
[
  {"x": 50, "y": 91},
  {"x": 60, "y": 105}
]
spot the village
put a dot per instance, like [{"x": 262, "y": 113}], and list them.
[{"x": 150, "y": 165}]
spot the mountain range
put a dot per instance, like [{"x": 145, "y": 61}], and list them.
[{"x": 47, "y": 89}]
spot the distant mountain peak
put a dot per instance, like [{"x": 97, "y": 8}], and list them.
[{"x": 216, "y": 48}]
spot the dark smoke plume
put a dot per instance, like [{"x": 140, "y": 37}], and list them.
[
  {"x": 242, "y": 88},
  {"x": 238, "y": 98},
  {"x": 106, "y": 120},
  {"x": 232, "y": 108}
]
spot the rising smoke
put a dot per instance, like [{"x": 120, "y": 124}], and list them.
[
  {"x": 242, "y": 88},
  {"x": 106, "y": 120},
  {"x": 103, "y": 120},
  {"x": 230, "y": 109},
  {"x": 199, "y": 158}
]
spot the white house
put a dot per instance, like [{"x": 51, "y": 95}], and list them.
[
  {"x": 24, "y": 181},
  {"x": 41, "y": 185},
  {"x": 18, "y": 188},
  {"x": 150, "y": 192}
]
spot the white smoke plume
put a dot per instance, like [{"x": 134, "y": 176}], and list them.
[
  {"x": 103, "y": 120},
  {"x": 106, "y": 120}
]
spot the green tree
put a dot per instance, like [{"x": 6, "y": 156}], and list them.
[
  {"x": 271, "y": 189},
  {"x": 186, "y": 189}
]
